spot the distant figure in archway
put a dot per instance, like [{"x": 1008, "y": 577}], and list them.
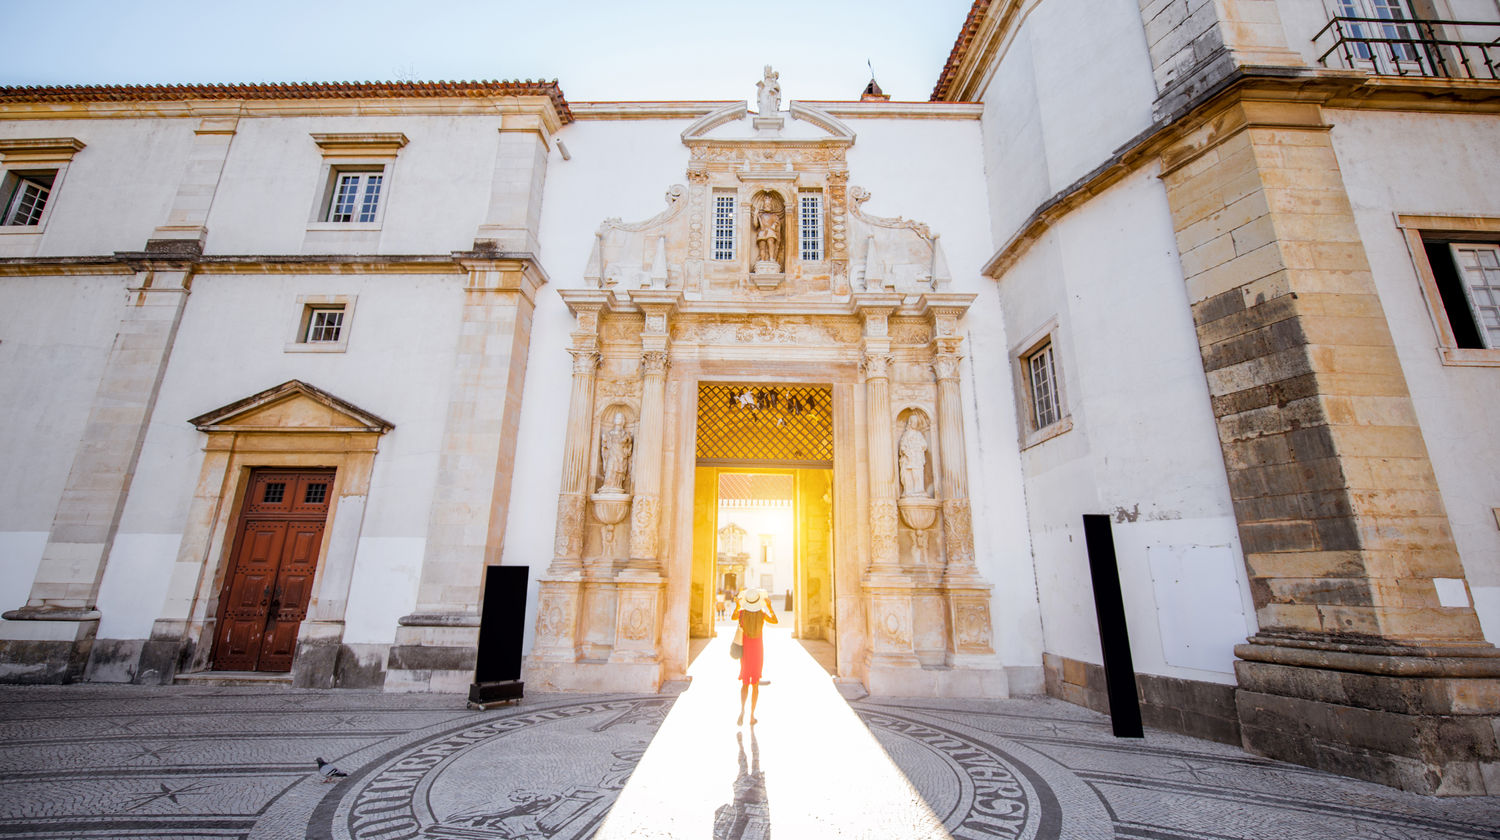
[{"x": 753, "y": 611}]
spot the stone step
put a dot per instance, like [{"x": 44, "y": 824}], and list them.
[{"x": 233, "y": 678}]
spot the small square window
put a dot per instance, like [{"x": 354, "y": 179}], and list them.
[
  {"x": 275, "y": 493},
  {"x": 25, "y": 195},
  {"x": 354, "y": 196},
  {"x": 316, "y": 494},
  {"x": 322, "y": 325}
]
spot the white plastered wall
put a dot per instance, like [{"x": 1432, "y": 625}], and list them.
[
  {"x": 49, "y": 373},
  {"x": 1143, "y": 447},
  {"x": 231, "y": 344},
  {"x": 1437, "y": 165}
]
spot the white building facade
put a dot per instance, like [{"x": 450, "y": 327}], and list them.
[{"x": 290, "y": 366}]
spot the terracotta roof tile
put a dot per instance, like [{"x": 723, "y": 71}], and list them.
[
  {"x": 289, "y": 90},
  {"x": 960, "y": 49}
]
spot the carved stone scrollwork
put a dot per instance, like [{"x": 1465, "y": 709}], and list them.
[
  {"x": 877, "y": 365},
  {"x": 958, "y": 533},
  {"x": 568, "y": 539},
  {"x": 945, "y": 366},
  {"x": 654, "y": 362},
  {"x": 553, "y": 620},
  {"x": 656, "y": 323},
  {"x": 698, "y": 176},
  {"x": 585, "y": 361},
  {"x": 972, "y": 626},
  {"x": 883, "y": 547},
  {"x": 893, "y": 628},
  {"x": 643, "y": 526},
  {"x": 636, "y": 624}
]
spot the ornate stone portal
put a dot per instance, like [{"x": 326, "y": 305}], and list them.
[{"x": 748, "y": 276}]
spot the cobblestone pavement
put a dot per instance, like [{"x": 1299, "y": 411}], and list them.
[{"x": 97, "y": 761}]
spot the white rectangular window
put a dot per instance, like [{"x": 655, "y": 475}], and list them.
[
  {"x": 810, "y": 214},
  {"x": 723, "y": 227},
  {"x": 1045, "y": 406},
  {"x": 25, "y": 196},
  {"x": 356, "y": 196},
  {"x": 325, "y": 325},
  {"x": 1479, "y": 269}
]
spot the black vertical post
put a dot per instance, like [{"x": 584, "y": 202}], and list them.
[
  {"x": 497, "y": 671},
  {"x": 1114, "y": 640}
]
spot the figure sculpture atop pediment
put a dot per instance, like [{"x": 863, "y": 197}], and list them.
[{"x": 768, "y": 92}]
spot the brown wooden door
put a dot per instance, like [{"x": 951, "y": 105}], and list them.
[{"x": 272, "y": 565}]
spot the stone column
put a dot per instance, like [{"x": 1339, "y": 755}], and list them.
[
  {"x": 49, "y": 638},
  {"x": 1359, "y": 667},
  {"x": 515, "y": 210},
  {"x": 645, "y": 517},
  {"x": 966, "y": 593},
  {"x": 186, "y": 227},
  {"x": 559, "y": 595},
  {"x": 436, "y": 645}
]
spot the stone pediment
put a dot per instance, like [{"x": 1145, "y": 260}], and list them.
[
  {"x": 767, "y": 214},
  {"x": 292, "y": 406}
]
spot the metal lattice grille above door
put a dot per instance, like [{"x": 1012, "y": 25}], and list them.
[{"x": 771, "y": 423}]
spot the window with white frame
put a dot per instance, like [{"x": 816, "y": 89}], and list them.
[
  {"x": 810, "y": 224},
  {"x": 356, "y": 179},
  {"x": 1457, "y": 262},
  {"x": 1041, "y": 370},
  {"x": 1478, "y": 269},
  {"x": 322, "y": 325},
  {"x": 723, "y": 226},
  {"x": 354, "y": 196},
  {"x": 24, "y": 194}
]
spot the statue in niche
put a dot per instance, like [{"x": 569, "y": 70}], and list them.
[
  {"x": 913, "y": 456},
  {"x": 614, "y": 450},
  {"x": 768, "y": 91},
  {"x": 767, "y": 211}
]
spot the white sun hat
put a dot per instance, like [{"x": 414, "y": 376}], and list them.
[{"x": 753, "y": 600}]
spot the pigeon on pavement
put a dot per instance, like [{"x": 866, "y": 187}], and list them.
[{"x": 329, "y": 772}]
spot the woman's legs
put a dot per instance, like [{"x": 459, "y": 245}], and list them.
[
  {"x": 744, "y": 689},
  {"x": 754, "y": 698}
]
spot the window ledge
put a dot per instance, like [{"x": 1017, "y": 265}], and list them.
[
  {"x": 317, "y": 347},
  {"x": 344, "y": 226},
  {"x": 1470, "y": 357},
  {"x": 20, "y": 230},
  {"x": 1045, "y": 434}
]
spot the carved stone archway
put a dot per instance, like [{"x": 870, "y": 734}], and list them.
[{"x": 679, "y": 299}]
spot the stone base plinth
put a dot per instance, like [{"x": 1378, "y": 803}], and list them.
[
  {"x": 1422, "y": 719},
  {"x": 628, "y": 677},
  {"x": 46, "y": 645},
  {"x": 991, "y": 683},
  {"x": 433, "y": 653}
]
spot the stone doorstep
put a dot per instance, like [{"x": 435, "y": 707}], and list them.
[{"x": 235, "y": 678}]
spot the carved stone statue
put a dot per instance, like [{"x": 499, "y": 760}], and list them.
[
  {"x": 766, "y": 216},
  {"x": 913, "y": 456},
  {"x": 614, "y": 450},
  {"x": 768, "y": 92}
]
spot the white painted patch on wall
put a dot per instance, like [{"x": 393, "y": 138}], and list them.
[
  {"x": 135, "y": 584},
  {"x": 386, "y": 573},
  {"x": 20, "y": 556},
  {"x": 1487, "y": 604},
  {"x": 1451, "y": 592},
  {"x": 1198, "y": 606}
]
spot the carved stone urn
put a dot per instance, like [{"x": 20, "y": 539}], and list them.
[
  {"x": 919, "y": 512},
  {"x": 610, "y": 509}
]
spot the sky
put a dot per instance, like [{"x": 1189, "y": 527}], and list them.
[{"x": 597, "y": 51}]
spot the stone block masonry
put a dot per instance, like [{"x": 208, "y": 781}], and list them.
[{"x": 1339, "y": 513}]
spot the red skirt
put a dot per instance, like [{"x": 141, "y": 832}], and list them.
[{"x": 751, "y": 659}]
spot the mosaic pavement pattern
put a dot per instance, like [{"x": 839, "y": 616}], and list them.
[{"x": 192, "y": 762}]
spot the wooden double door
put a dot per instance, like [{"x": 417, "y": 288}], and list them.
[{"x": 272, "y": 566}]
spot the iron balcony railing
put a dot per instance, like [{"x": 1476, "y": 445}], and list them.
[{"x": 1451, "y": 49}]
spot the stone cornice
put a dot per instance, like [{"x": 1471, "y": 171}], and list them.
[
  {"x": 284, "y": 92},
  {"x": 645, "y": 110},
  {"x": 128, "y": 262},
  {"x": 897, "y": 305},
  {"x": 1339, "y": 89},
  {"x": 905, "y": 110},
  {"x": 364, "y": 107}
]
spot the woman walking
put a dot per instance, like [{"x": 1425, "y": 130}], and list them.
[{"x": 752, "y": 610}]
